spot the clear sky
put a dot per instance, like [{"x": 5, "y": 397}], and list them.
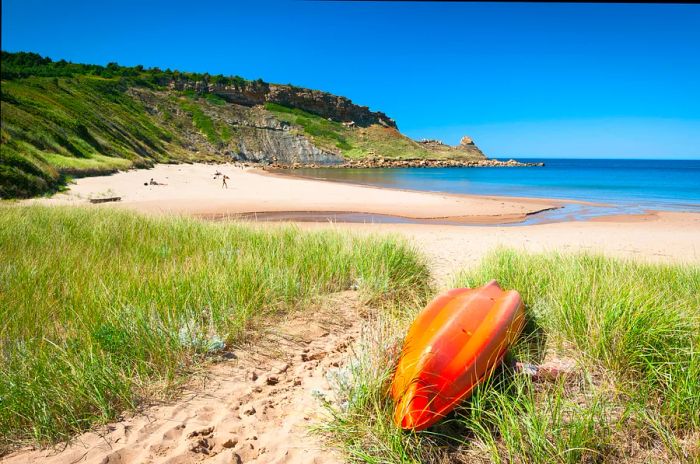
[{"x": 541, "y": 80}]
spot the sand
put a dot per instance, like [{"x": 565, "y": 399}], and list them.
[
  {"x": 192, "y": 189},
  {"x": 235, "y": 413},
  {"x": 256, "y": 405},
  {"x": 659, "y": 237}
]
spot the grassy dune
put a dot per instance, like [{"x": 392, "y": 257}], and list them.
[
  {"x": 634, "y": 331},
  {"x": 101, "y": 309}
]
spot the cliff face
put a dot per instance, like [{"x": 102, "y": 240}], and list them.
[
  {"x": 323, "y": 104},
  {"x": 241, "y": 133},
  {"x": 271, "y": 141}
]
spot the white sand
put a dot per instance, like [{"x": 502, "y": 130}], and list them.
[{"x": 192, "y": 189}]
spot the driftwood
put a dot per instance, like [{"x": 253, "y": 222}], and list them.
[{"x": 105, "y": 200}]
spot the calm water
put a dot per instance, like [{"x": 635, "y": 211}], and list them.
[{"x": 629, "y": 186}]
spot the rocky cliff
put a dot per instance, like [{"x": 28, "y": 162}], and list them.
[
  {"x": 323, "y": 104},
  {"x": 236, "y": 132},
  {"x": 274, "y": 134}
]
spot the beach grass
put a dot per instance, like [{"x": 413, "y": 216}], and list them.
[
  {"x": 102, "y": 310},
  {"x": 633, "y": 331}
]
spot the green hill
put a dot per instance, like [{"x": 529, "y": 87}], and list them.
[{"x": 62, "y": 119}]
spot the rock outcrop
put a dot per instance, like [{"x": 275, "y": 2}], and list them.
[
  {"x": 466, "y": 146},
  {"x": 320, "y": 103},
  {"x": 379, "y": 162},
  {"x": 270, "y": 146},
  {"x": 258, "y": 136}
]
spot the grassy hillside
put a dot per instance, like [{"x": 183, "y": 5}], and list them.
[
  {"x": 53, "y": 127},
  {"x": 359, "y": 142},
  {"x": 62, "y": 119},
  {"x": 634, "y": 333},
  {"x": 101, "y": 309}
]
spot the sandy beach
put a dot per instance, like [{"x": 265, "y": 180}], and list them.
[
  {"x": 492, "y": 221},
  {"x": 192, "y": 189},
  {"x": 259, "y": 406}
]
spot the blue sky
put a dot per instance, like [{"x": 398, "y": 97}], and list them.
[{"x": 542, "y": 80}]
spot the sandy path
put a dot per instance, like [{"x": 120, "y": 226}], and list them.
[
  {"x": 256, "y": 408},
  {"x": 192, "y": 189}
]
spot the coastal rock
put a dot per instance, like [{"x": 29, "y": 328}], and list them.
[
  {"x": 259, "y": 138},
  {"x": 466, "y": 147},
  {"x": 256, "y": 136},
  {"x": 324, "y": 104},
  {"x": 416, "y": 163},
  {"x": 286, "y": 149},
  {"x": 466, "y": 141}
]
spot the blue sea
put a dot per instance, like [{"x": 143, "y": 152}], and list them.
[{"x": 623, "y": 186}]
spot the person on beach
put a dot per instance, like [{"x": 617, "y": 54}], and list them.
[{"x": 225, "y": 178}]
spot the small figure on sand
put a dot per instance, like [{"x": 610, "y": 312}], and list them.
[
  {"x": 225, "y": 178},
  {"x": 153, "y": 182}
]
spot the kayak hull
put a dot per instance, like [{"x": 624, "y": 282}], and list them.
[{"x": 452, "y": 346}]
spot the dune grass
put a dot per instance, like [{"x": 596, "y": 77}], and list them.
[
  {"x": 101, "y": 309},
  {"x": 633, "y": 330}
]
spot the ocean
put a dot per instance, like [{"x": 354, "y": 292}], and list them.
[{"x": 621, "y": 186}]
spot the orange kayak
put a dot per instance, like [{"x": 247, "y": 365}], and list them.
[{"x": 454, "y": 343}]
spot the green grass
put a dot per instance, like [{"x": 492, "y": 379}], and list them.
[
  {"x": 359, "y": 142},
  {"x": 202, "y": 122},
  {"x": 634, "y": 331},
  {"x": 101, "y": 310},
  {"x": 214, "y": 99},
  {"x": 216, "y": 134},
  {"x": 90, "y": 120},
  {"x": 95, "y": 163},
  {"x": 325, "y": 133}
]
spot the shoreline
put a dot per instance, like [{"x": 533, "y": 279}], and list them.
[
  {"x": 341, "y": 201},
  {"x": 562, "y": 201},
  {"x": 292, "y": 173},
  {"x": 380, "y": 162},
  {"x": 191, "y": 189},
  {"x": 449, "y": 244}
]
